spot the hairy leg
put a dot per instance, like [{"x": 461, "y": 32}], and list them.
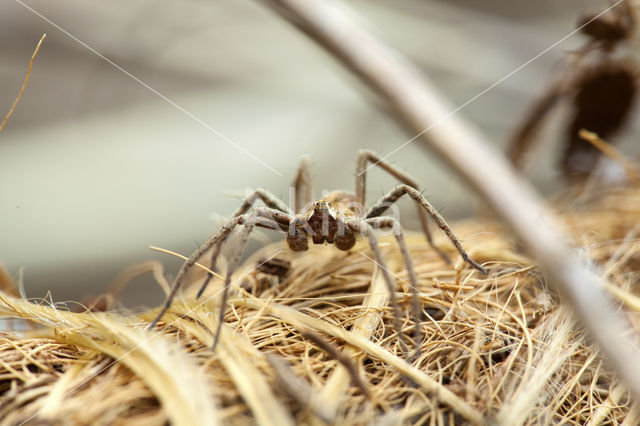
[
  {"x": 249, "y": 225},
  {"x": 394, "y": 225},
  {"x": 366, "y": 156},
  {"x": 268, "y": 218},
  {"x": 383, "y": 204},
  {"x": 365, "y": 229},
  {"x": 303, "y": 184},
  {"x": 269, "y": 200}
]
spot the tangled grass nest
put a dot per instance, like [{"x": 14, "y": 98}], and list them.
[{"x": 309, "y": 339}]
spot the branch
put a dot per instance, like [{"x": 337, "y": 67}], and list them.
[{"x": 417, "y": 105}]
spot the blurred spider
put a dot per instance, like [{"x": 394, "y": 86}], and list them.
[
  {"x": 337, "y": 219},
  {"x": 601, "y": 85}
]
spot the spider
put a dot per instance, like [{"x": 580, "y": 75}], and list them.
[
  {"x": 601, "y": 85},
  {"x": 337, "y": 219}
]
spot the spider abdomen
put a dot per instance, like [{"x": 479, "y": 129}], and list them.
[{"x": 602, "y": 105}]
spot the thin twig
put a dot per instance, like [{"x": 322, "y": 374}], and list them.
[
  {"x": 183, "y": 257},
  {"x": 343, "y": 359},
  {"x": 24, "y": 84},
  {"x": 417, "y": 104},
  {"x": 298, "y": 389},
  {"x": 630, "y": 168},
  {"x": 364, "y": 326}
]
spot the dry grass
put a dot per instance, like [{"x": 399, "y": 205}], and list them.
[{"x": 500, "y": 348}]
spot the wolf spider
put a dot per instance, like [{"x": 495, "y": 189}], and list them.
[
  {"x": 601, "y": 86},
  {"x": 337, "y": 219}
]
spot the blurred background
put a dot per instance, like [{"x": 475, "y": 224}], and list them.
[{"x": 96, "y": 166}]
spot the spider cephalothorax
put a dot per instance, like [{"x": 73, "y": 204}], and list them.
[
  {"x": 323, "y": 223},
  {"x": 336, "y": 219}
]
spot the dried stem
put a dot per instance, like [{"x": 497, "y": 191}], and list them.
[
  {"x": 416, "y": 104},
  {"x": 342, "y": 358},
  {"x": 24, "y": 84},
  {"x": 630, "y": 168},
  {"x": 298, "y": 389}
]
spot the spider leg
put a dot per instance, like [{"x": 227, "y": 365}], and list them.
[
  {"x": 303, "y": 184},
  {"x": 249, "y": 225},
  {"x": 366, "y": 230},
  {"x": 269, "y": 200},
  {"x": 383, "y": 204},
  {"x": 273, "y": 219},
  {"x": 394, "y": 225},
  {"x": 364, "y": 157},
  {"x": 524, "y": 136}
]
